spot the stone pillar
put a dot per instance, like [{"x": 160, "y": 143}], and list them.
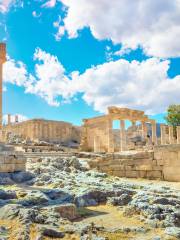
[
  {"x": 144, "y": 130},
  {"x": 154, "y": 134},
  {"x": 110, "y": 138},
  {"x": 122, "y": 136},
  {"x": 133, "y": 123},
  {"x": 2, "y": 60},
  {"x": 16, "y": 119},
  {"x": 97, "y": 144},
  {"x": 171, "y": 135},
  {"x": 178, "y": 134},
  {"x": 9, "y": 119},
  {"x": 163, "y": 134}
]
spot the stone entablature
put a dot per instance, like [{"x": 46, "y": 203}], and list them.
[
  {"x": 42, "y": 130},
  {"x": 97, "y": 133}
]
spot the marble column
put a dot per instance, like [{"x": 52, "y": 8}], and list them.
[
  {"x": 163, "y": 134},
  {"x": 144, "y": 129},
  {"x": 110, "y": 137},
  {"x": 2, "y": 60},
  {"x": 154, "y": 134},
  {"x": 122, "y": 136},
  {"x": 171, "y": 135},
  {"x": 9, "y": 119},
  {"x": 96, "y": 144},
  {"x": 178, "y": 134},
  {"x": 16, "y": 119}
]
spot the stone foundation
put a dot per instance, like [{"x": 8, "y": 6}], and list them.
[
  {"x": 161, "y": 163},
  {"x": 10, "y": 160}
]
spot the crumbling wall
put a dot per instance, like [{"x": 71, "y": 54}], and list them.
[{"x": 162, "y": 163}]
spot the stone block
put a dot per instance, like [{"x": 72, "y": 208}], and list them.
[
  {"x": 142, "y": 174},
  {"x": 5, "y": 168},
  {"x": 119, "y": 173},
  {"x": 154, "y": 174},
  {"x": 132, "y": 174},
  {"x": 144, "y": 167},
  {"x": 158, "y": 155},
  {"x": 19, "y": 167},
  {"x": 171, "y": 173}
]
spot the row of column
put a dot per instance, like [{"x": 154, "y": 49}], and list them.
[
  {"x": 171, "y": 139},
  {"x": 123, "y": 134},
  {"x": 9, "y": 119}
]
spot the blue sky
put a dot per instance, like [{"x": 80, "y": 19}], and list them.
[{"x": 28, "y": 26}]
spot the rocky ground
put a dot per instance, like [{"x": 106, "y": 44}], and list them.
[{"x": 61, "y": 198}]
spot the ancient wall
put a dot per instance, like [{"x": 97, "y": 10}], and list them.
[
  {"x": 162, "y": 163},
  {"x": 10, "y": 160},
  {"x": 44, "y": 130}
]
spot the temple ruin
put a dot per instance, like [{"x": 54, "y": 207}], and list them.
[
  {"x": 37, "y": 130},
  {"x": 98, "y": 134}
]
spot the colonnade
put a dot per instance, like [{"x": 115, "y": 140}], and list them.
[
  {"x": 167, "y": 134},
  {"x": 123, "y": 143}
]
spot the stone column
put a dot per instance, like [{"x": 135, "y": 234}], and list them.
[
  {"x": 163, "y": 134},
  {"x": 110, "y": 138},
  {"x": 171, "y": 135},
  {"x": 96, "y": 144},
  {"x": 16, "y": 119},
  {"x": 2, "y": 60},
  {"x": 178, "y": 134},
  {"x": 144, "y": 130},
  {"x": 154, "y": 134},
  {"x": 122, "y": 136},
  {"x": 9, "y": 119}
]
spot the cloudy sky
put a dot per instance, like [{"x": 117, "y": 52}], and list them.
[{"x": 70, "y": 59}]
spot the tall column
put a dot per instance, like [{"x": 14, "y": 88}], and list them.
[
  {"x": 16, "y": 119},
  {"x": 2, "y": 60},
  {"x": 178, "y": 134},
  {"x": 154, "y": 134},
  {"x": 9, "y": 119},
  {"x": 144, "y": 129},
  {"x": 97, "y": 144},
  {"x": 171, "y": 135},
  {"x": 110, "y": 138},
  {"x": 122, "y": 136},
  {"x": 163, "y": 134}
]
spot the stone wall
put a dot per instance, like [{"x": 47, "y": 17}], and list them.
[
  {"x": 42, "y": 130},
  {"x": 161, "y": 163},
  {"x": 168, "y": 157},
  {"x": 12, "y": 162}
]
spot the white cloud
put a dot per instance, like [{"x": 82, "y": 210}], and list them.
[
  {"x": 51, "y": 81},
  {"x": 15, "y": 73},
  {"x": 133, "y": 84},
  {"x": 49, "y": 4},
  {"x": 21, "y": 118},
  {"x": 139, "y": 85},
  {"x": 6, "y": 4},
  {"x": 150, "y": 24}
]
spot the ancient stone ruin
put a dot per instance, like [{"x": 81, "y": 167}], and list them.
[{"x": 98, "y": 134}]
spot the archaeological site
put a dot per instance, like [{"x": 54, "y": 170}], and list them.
[{"x": 117, "y": 176}]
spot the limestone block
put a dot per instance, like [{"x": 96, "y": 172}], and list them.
[
  {"x": 171, "y": 173},
  {"x": 132, "y": 174},
  {"x": 158, "y": 155},
  {"x": 117, "y": 167},
  {"x": 119, "y": 173},
  {"x": 160, "y": 162},
  {"x": 130, "y": 168},
  {"x": 142, "y": 174},
  {"x": 154, "y": 174},
  {"x": 157, "y": 168},
  {"x": 144, "y": 167},
  {"x": 7, "y": 168},
  {"x": 19, "y": 167},
  {"x": 170, "y": 156}
]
